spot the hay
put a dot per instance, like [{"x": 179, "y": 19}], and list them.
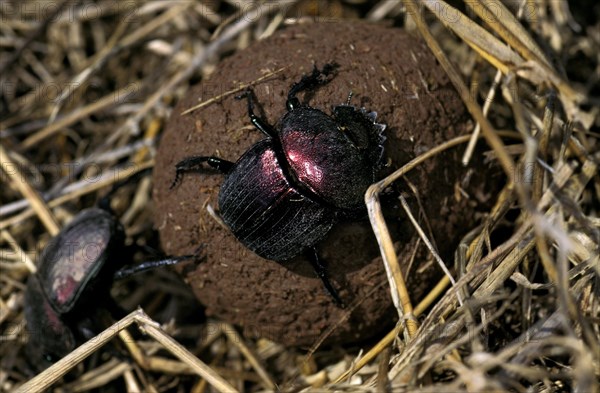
[{"x": 87, "y": 87}]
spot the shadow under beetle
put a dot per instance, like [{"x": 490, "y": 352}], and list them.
[
  {"x": 75, "y": 274},
  {"x": 286, "y": 192}
]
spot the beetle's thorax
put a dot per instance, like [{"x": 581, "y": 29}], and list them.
[{"x": 322, "y": 153}]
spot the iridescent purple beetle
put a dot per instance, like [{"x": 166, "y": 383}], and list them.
[
  {"x": 287, "y": 191},
  {"x": 75, "y": 274}
]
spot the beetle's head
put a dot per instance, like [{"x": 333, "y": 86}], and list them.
[{"x": 362, "y": 129}]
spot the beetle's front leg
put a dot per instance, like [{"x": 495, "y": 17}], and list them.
[
  {"x": 258, "y": 122},
  {"x": 321, "y": 271},
  {"x": 310, "y": 81},
  {"x": 194, "y": 164},
  {"x": 128, "y": 271}
]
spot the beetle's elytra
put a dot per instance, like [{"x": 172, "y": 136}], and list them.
[
  {"x": 284, "y": 194},
  {"x": 79, "y": 257}
]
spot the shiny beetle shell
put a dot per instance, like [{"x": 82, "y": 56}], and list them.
[
  {"x": 335, "y": 157},
  {"x": 286, "y": 192},
  {"x": 265, "y": 211},
  {"x": 74, "y": 261}
]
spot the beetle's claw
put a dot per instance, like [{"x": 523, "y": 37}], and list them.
[
  {"x": 337, "y": 300},
  {"x": 177, "y": 180},
  {"x": 245, "y": 94},
  {"x": 321, "y": 77},
  {"x": 329, "y": 68},
  {"x": 198, "y": 249}
]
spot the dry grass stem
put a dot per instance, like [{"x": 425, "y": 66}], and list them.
[
  {"x": 241, "y": 87},
  {"x": 147, "y": 325},
  {"x": 37, "y": 203},
  {"x": 87, "y": 88}
]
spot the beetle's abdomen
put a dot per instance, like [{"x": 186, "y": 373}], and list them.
[
  {"x": 265, "y": 212},
  {"x": 48, "y": 334}
]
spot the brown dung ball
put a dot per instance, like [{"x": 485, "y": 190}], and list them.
[{"x": 388, "y": 71}]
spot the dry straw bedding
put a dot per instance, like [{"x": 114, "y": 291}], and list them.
[{"x": 88, "y": 86}]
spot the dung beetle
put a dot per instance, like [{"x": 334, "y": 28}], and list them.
[
  {"x": 286, "y": 192},
  {"x": 75, "y": 273}
]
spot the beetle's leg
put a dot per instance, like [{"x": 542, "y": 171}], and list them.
[
  {"x": 310, "y": 81},
  {"x": 149, "y": 265},
  {"x": 194, "y": 163},
  {"x": 321, "y": 271},
  {"x": 259, "y": 123}
]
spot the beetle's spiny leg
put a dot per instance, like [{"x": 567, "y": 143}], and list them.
[
  {"x": 219, "y": 164},
  {"x": 321, "y": 271},
  {"x": 150, "y": 265},
  {"x": 259, "y": 123},
  {"x": 315, "y": 78},
  {"x": 194, "y": 163}
]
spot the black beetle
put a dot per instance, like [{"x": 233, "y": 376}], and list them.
[
  {"x": 75, "y": 274},
  {"x": 286, "y": 192}
]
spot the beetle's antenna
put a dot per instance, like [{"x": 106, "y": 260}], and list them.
[{"x": 349, "y": 97}]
